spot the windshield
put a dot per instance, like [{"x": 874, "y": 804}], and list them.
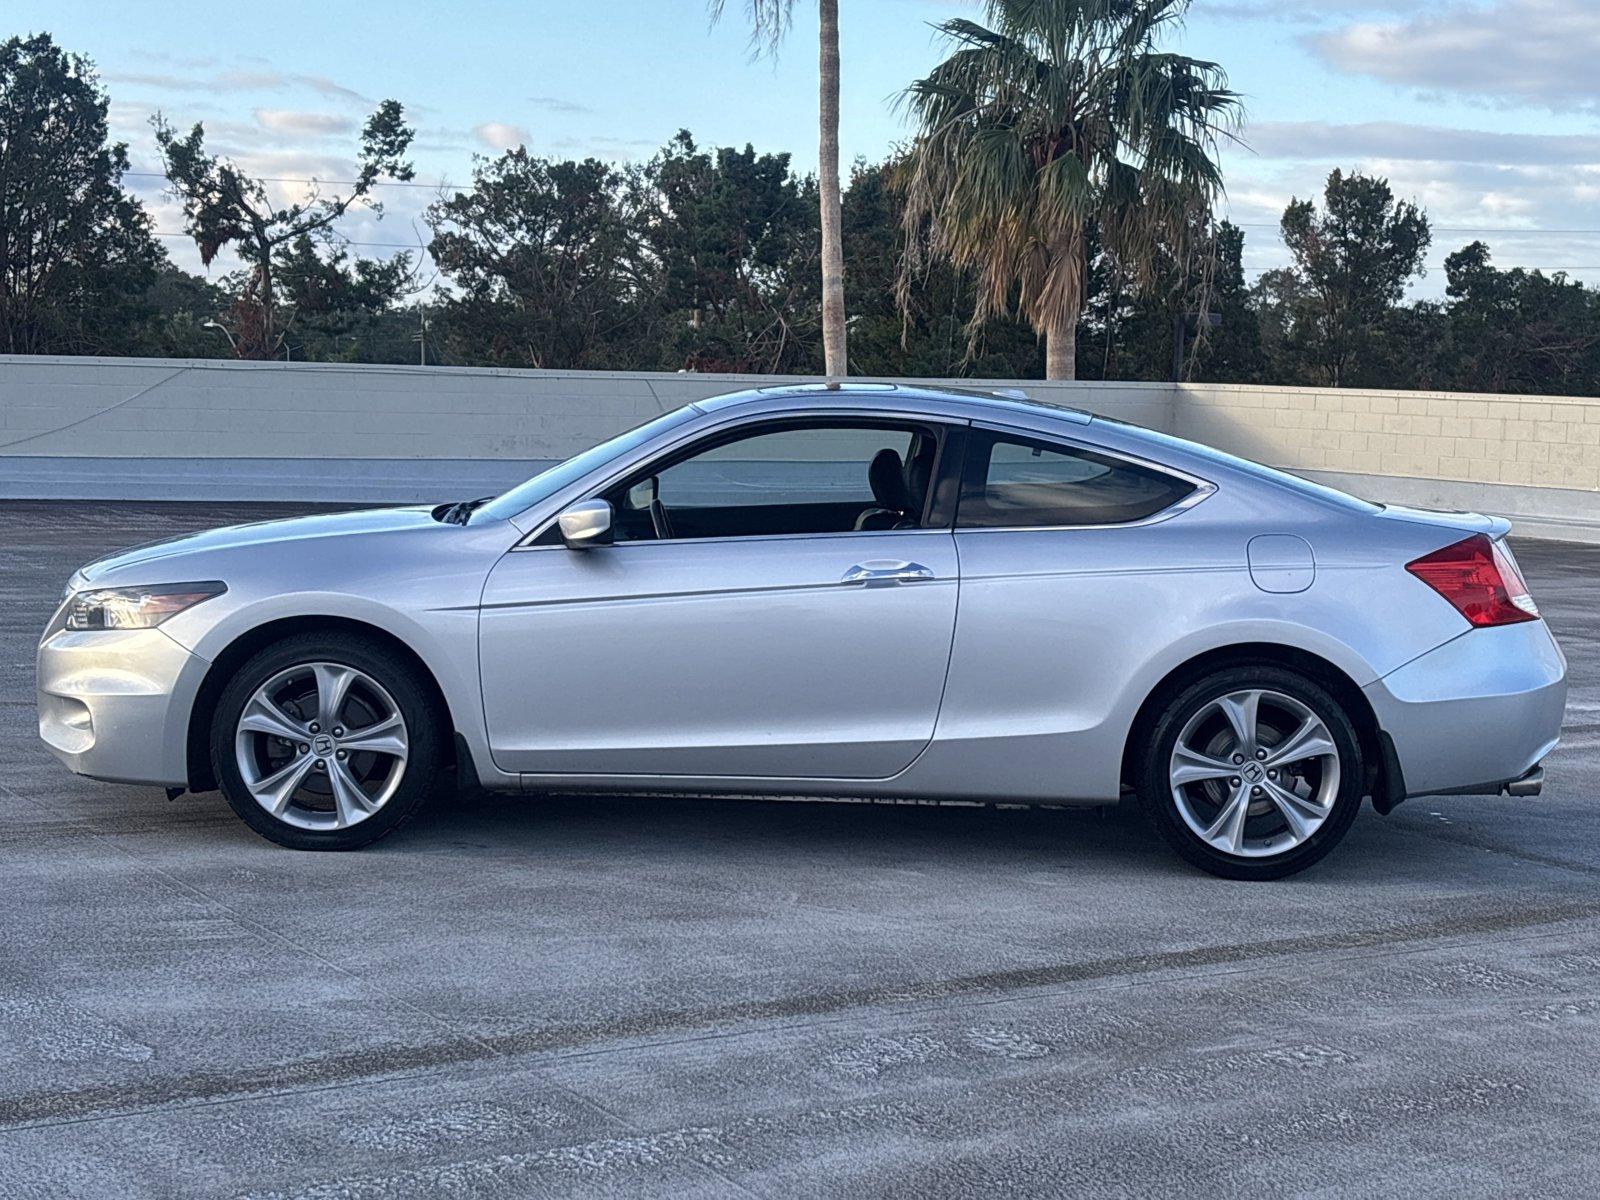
[{"x": 552, "y": 480}]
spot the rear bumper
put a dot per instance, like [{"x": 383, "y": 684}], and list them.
[
  {"x": 1477, "y": 713},
  {"x": 115, "y": 705}
]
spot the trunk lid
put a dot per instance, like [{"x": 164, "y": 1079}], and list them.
[{"x": 1466, "y": 522}]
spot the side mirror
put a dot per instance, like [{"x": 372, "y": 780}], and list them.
[{"x": 585, "y": 524}]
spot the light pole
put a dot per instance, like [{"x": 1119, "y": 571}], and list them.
[{"x": 218, "y": 325}]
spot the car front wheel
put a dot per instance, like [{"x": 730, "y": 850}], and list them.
[
  {"x": 1254, "y": 772},
  {"x": 326, "y": 742}
]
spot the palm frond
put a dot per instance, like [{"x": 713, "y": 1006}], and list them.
[{"x": 1052, "y": 118}]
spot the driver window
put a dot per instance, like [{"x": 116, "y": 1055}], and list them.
[{"x": 788, "y": 480}]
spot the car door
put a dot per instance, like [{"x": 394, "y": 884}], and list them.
[
  {"x": 760, "y": 634},
  {"x": 1069, "y": 569}
]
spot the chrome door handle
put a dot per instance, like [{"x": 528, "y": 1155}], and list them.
[{"x": 882, "y": 572}]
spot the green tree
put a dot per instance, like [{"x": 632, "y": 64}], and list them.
[
  {"x": 178, "y": 305},
  {"x": 1352, "y": 262},
  {"x": 76, "y": 252},
  {"x": 925, "y": 336},
  {"x": 345, "y": 308},
  {"x": 1057, "y": 116},
  {"x": 1134, "y": 326},
  {"x": 769, "y": 22},
  {"x": 1520, "y": 331},
  {"x": 544, "y": 264},
  {"x": 732, "y": 234},
  {"x": 223, "y": 206}
]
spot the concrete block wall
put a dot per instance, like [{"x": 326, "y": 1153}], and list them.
[
  {"x": 1536, "y": 441},
  {"x": 88, "y": 428},
  {"x": 1533, "y": 458}
]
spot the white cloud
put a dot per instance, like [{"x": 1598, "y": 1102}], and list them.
[
  {"x": 1509, "y": 52},
  {"x": 1535, "y": 215},
  {"x": 302, "y": 124},
  {"x": 1396, "y": 140},
  {"x": 1298, "y": 11},
  {"x": 237, "y": 79},
  {"x": 497, "y": 135},
  {"x": 556, "y": 104}
]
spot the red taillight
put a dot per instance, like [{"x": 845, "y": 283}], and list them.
[{"x": 1480, "y": 578}]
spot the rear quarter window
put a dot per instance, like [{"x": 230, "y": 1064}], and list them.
[{"x": 1013, "y": 482}]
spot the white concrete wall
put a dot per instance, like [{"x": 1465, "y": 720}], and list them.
[
  {"x": 175, "y": 429},
  {"x": 109, "y": 407}
]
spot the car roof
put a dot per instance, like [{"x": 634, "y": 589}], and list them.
[
  {"x": 1013, "y": 406},
  {"x": 956, "y": 401}
]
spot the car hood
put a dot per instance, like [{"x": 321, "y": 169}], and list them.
[{"x": 258, "y": 533}]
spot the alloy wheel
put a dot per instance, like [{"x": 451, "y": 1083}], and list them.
[
  {"x": 321, "y": 745},
  {"x": 1254, "y": 773}
]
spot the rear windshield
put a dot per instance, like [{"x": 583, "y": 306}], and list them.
[{"x": 1287, "y": 479}]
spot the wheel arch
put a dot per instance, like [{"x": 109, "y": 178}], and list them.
[
  {"x": 1382, "y": 773},
  {"x": 238, "y": 651}
]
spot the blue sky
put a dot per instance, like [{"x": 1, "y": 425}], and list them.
[{"x": 1485, "y": 111}]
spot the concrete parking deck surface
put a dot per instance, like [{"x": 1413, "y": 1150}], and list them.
[{"x": 686, "y": 998}]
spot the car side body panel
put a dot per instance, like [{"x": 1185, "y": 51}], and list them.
[{"x": 1063, "y": 634}]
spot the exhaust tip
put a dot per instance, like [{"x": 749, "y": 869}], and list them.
[{"x": 1530, "y": 784}]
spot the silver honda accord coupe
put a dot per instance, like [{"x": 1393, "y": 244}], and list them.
[{"x": 852, "y": 591}]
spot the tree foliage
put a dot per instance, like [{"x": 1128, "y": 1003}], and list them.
[
  {"x": 1352, "y": 263},
  {"x": 224, "y": 206},
  {"x": 543, "y": 259},
  {"x": 731, "y": 239},
  {"x": 1520, "y": 331},
  {"x": 76, "y": 251}
]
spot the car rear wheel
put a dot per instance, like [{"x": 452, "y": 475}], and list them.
[
  {"x": 1252, "y": 773},
  {"x": 326, "y": 742}
]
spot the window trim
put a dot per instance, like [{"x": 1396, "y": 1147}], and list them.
[
  {"x": 1204, "y": 489},
  {"x": 947, "y": 430}
]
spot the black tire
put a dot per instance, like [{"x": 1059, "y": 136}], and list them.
[
  {"x": 425, "y": 728},
  {"x": 1156, "y": 793}
]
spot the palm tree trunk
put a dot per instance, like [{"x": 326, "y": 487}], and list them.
[
  {"x": 1061, "y": 347},
  {"x": 833, "y": 337}
]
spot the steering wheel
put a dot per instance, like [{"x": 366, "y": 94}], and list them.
[{"x": 658, "y": 518}]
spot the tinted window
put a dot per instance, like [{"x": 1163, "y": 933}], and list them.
[
  {"x": 1020, "y": 482},
  {"x": 814, "y": 465},
  {"x": 786, "y": 479}
]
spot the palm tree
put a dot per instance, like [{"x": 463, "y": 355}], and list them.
[
  {"x": 1058, "y": 116},
  {"x": 769, "y": 21}
]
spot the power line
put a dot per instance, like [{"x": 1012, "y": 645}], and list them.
[
  {"x": 1248, "y": 270},
  {"x": 1516, "y": 230},
  {"x": 343, "y": 242},
  {"x": 1524, "y": 230},
  {"x": 397, "y": 183},
  {"x": 1441, "y": 266}
]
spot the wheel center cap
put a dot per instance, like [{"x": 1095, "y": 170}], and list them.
[
  {"x": 322, "y": 744},
  {"x": 1253, "y": 771}
]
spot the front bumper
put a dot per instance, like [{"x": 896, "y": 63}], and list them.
[
  {"x": 1476, "y": 713},
  {"x": 115, "y": 704}
]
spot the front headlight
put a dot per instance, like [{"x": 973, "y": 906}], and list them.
[{"x": 135, "y": 607}]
